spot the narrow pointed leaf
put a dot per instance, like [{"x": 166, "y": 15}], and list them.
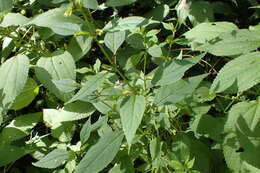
[
  {"x": 101, "y": 154},
  {"x": 131, "y": 112}
]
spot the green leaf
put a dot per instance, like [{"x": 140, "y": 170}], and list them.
[
  {"x": 208, "y": 126},
  {"x": 101, "y": 154},
  {"x": 92, "y": 4},
  {"x": 53, "y": 159},
  {"x": 175, "y": 92},
  {"x": 57, "y": 22},
  {"x": 238, "y": 75},
  {"x": 19, "y": 127},
  {"x": 155, "y": 147},
  {"x": 71, "y": 112},
  {"x": 232, "y": 43},
  {"x": 6, "y": 5},
  {"x": 158, "y": 13},
  {"x": 241, "y": 145},
  {"x": 136, "y": 41},
  {"x": 65, "y": 85},
  {"x": 85, "y": 132},
  {"x": 155, "y": 51},
  {"x": 57, "y": 67},
  {"x": 201, "y": 11},
  {"x": 116, "y": 3},
  {"x": 29, "y": 92},
  {"x": 11, "y": 154},
  {"x": 13, "y": 19},
  {"x": 131, "y": 112},
  {"x": 127, "y": 23},
  {"x": 79, "y": 46},
  {"x": 204, "y": 32},
  {"x": 114, "y": 40},
  {"x": 248, "y": 111},
  {"x": 64, "y": 131},
  {"x": 172, "y": 71},
  {"x": 13, "y": 74},
  {"x": 86, "y": 93}
]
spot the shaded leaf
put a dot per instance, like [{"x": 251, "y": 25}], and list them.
[
  {"x": 175, "y": 92},
  {"x": 172, "y": 71},
  {"x": 114, "y": 40},
  {"x": 238, "y": 75},
  {"x": 101, "y": 154}
]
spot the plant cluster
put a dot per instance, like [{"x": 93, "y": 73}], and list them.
[{"x": 129, "y": 86}]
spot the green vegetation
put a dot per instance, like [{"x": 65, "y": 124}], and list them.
[{"x": 129, "y": 86}]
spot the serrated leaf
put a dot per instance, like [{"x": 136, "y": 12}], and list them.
[
  {"x": 116, "y": 3},
  {"x": 175, "y": 92},
  {"x": 127, "y": 23},
  {"x": 57, "y": 67},
  {"x": 53, "y": 159},
  {"x": 86, "y": 93},
  {"x": 101, "y": 154},
  {"x": 13, "y": 74},
  {"x": 172, "y": 71},
  {"x": 232, "y": 43},
  {"x": 11, "y": 154},
  {"x": 29, "y": 92},
  {"x": 131, "y": 113},
  {"x": 114, "y": 40},
  {"x": 238, "y": 75}
]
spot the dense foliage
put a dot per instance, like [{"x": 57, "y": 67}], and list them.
[{"x": 129, "y": 86}]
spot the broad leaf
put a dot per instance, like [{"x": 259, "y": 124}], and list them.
[
  {"x": 57, "y": 67},
  {"x": 101, "y": 154},
  {"x": 29, "y": 92},
  {"x": 172, "y": 71},
  {"x": 175, "y": 92},
  {"x": 116, "y": 3},
  {"x": 207, "y": 31},
  {"x": 127, "y": 23},
  {"x": 238, "y": 75},
  {"x": 131, "y": 112},
  {"x": 13, "y": 74},
  {"x": 19, "y": 127},
  {"x": 232, "y": 43},
  {"x": 86, "y": 93},
  {"x": 53, "y": 159},
  {"x": 114, "y": 40},
  {"x": 248, "y": 111},
  {"x": 11, "y": 154},
  {"x": 57, "y": 22},
  {"x": 155, "y": 51}
]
